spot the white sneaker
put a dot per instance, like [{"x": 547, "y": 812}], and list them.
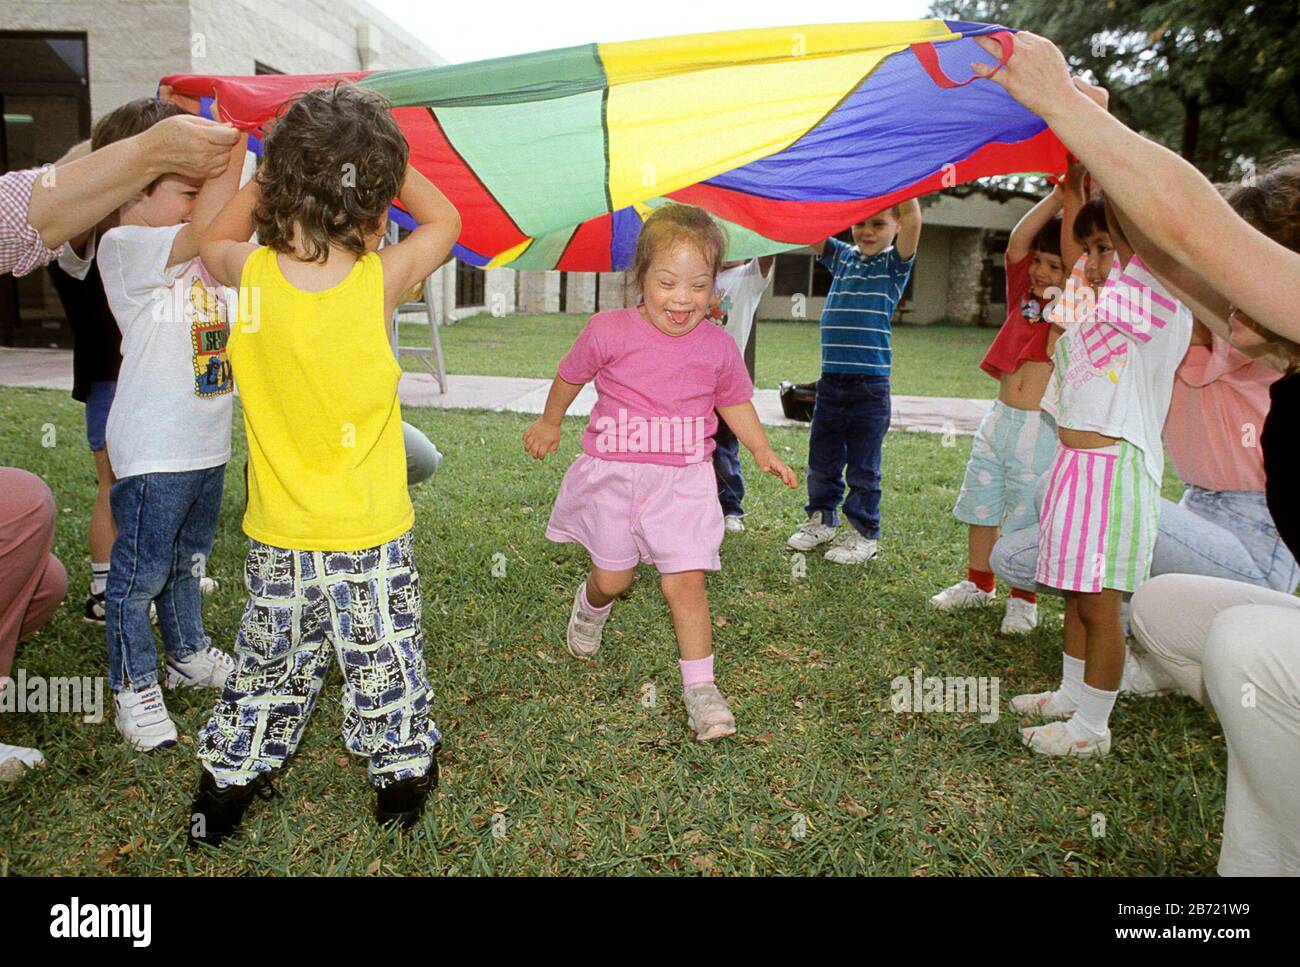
[
  {"x": 142, "y": 719},
  {"x": 16, "y": 759},
  {"x": 1043, "y": 704},
  {"x": 1021, "y": 617},
  {"x": 961, "y": 596},
  {"x": 1055, "y": 738},
  {"x": 851, "y": 548},
  {"x": 1143, "y": 677},
  {"x": 733, "y": 524},
  {"x": 585, "y": 628},
  {"x": 708, "y": 714},
  {"x": 811, "y": 533},
  {"x": 206, "y": 668},
  {"x": 208, "y": 585}
]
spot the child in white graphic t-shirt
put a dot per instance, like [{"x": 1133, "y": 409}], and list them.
[{"x": 168, "y": 438}]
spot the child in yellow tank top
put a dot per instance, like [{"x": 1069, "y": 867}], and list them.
[{"x": 330, "y": 566}]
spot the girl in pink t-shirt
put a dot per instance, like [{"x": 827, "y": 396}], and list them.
[{"x": 644, "y": 489}]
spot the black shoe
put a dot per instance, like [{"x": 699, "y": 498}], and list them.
[
  {"x": 94, "y": 613},
  {"x": 402, "y": 803},
  {"x": 217, "y": 813}
]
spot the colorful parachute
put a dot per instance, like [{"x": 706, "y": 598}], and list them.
[{"x": 786, "y": 135}]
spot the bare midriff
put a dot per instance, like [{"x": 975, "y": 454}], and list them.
[
  {"x": 1084, "y": 439},
  {"x": 1023, "y": 389}
]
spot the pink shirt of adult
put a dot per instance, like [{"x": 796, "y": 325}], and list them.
[
  {"x": 656, "y": 393},
  {"x": 1216, "y": 414}
]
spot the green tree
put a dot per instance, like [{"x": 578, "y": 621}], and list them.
[{"x": 1216, "y": 81}]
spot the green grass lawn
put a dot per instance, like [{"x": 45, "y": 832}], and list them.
[
  {"x": 928, "y": 360},
  {"x": 588, "y": 777}
]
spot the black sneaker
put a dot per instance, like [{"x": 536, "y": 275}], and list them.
[
  {"x": 402, "y": 803},
  {"x": 216, "y": 813},
  {"x": 94, "y": 613}
]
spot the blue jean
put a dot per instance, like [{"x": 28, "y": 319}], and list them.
[
  {"x": 1225, "y": 534},
  {"x": 726, "y": 467},
  {"x": 849, "y": 422},
  {"x": 165, "y": 525}
]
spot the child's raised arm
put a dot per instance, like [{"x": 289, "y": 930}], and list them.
[
  {"x": 1022, "y": 237},
  {"x": 1074, "y": 195},
  {"x": 543, "y": 436},
  {"x": 225, "y": 246},
  {"x": 211, "y": 199},
  {"x": 417, "y": 256},
  {"x": 909, "y": 232}
]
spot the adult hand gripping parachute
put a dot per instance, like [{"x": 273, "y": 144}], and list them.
[{"x": 786, "y": 134}]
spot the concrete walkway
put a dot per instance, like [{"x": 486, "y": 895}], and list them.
[{"x": 52, "y": 369}]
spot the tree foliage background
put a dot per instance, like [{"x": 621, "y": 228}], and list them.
[{"x": 1216, "y": 81}]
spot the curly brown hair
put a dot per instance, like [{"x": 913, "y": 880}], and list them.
[
  {"x": 669, "y": 225},
  {"x": 1270, "y": 202},
  {"x": 333, "y": 163}
]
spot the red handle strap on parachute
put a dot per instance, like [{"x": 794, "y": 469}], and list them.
[{"x": 925, "y": 53}]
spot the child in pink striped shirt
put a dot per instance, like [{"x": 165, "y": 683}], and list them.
[{"x": 1113, "y": 375}]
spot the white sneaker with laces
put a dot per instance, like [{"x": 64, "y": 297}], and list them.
[
  {"x": 17, "y": 759},
  {"x": 707, "y": 713},
  {"x": 961, "y": 596},
  {"x": 811, "y": 533},
  {"x": 1047, "y": 705},
  {"x": 206, "y": 668},
  {"x": 1055, "y": 738},
  {"x": 733, "y": 524},
  {"x": 1142, "y": 677},
  {"x": 1021, "y": 617},
  {"x": 851, "y": 548},
  {"x": 585, "y": 628},
  {"x": 142, "y": 719}
]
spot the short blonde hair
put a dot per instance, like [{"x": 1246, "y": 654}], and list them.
[{"x": 670, "y": 225}]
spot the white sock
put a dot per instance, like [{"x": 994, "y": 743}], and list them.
[
  {"x": 1092, "y": 719},
  {"x": 98, "y": 577},
  {"x": 1071, "y": 681}
]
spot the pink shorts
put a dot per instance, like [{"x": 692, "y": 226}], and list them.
[{"x": 625, "y": 513}]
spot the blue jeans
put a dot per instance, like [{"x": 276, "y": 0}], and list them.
[
  {"x": 849, "y": 422},
  {"x": 726, "y": 467},
  {"x": 1225, "y": 534},
  {"x": 165, "y": 525}
]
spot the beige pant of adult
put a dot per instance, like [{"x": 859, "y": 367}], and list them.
[{"x": 1235, "y": 648}]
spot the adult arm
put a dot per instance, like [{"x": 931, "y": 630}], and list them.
[
  {"x": 1168, "y": 199},
  {"x": 74, "y": 197}
]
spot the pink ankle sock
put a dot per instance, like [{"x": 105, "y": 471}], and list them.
[
  {"x": 696, "y": 672},
  {"x": 591, "y": 607}
]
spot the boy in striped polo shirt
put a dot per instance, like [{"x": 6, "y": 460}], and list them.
[{"x": 852, "y": 410}]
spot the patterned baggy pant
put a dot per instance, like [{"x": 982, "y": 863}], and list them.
[{"x": 305, "y": 607}]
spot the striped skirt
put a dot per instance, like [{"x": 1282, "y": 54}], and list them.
[{"x": 1099, "y": 520}]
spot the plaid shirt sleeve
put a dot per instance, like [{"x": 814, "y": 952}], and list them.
[{"x": 21, "y": 248}]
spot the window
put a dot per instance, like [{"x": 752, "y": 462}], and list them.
[
  {"x": 45, "y": 104},
  {"x": 469, "y": 285}
]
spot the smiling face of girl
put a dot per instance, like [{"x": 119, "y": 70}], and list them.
[{"x": 677, "y": 286}]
